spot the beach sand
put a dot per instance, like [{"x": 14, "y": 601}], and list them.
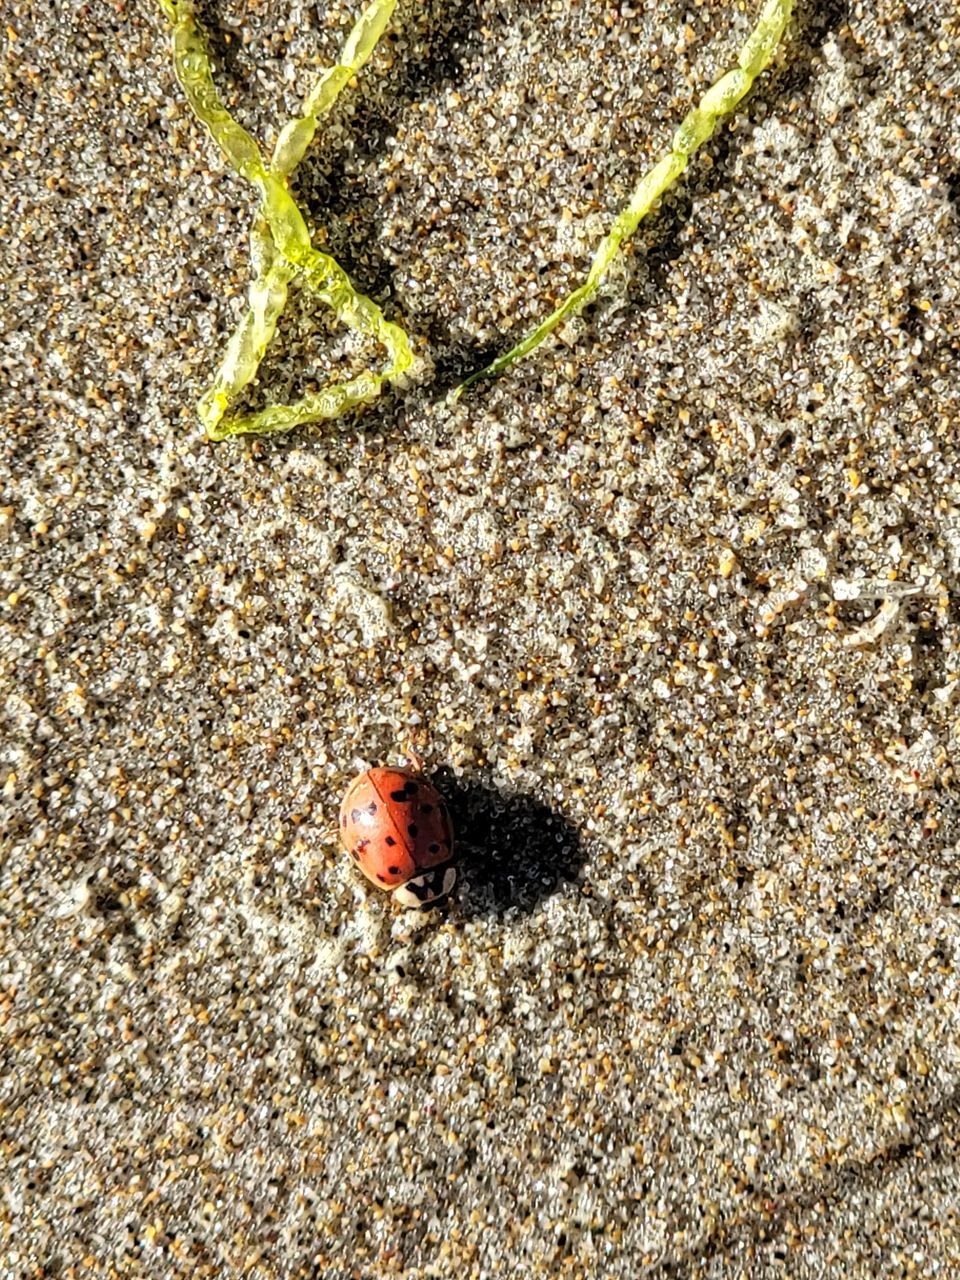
[{"x": 670, "y": 611}]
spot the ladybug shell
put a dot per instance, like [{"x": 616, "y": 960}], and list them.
[{"x": 394, "y": 825}]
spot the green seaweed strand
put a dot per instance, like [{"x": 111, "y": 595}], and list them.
[
  {"x": 279, "y": 241},
  {"x": 719, "y": 101}
]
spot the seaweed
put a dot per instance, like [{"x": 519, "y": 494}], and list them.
[
  {"x": 698, "y": 125},
  {"x": 280, "y": 246}
]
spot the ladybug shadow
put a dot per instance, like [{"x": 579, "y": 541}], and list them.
[{"x": 512, "y": 851}]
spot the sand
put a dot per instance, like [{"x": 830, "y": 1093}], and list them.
[{"x": 671, "y": 612}]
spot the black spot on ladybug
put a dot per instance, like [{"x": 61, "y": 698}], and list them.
[
  {"x": 434, "y": 848},
  {"x": 426, "y": 808},
  {"x": 411, "y": 787},
  {"x": 355, "y": 854},
  {"x": 372, "y": 808},
  {"x": 394, "y": 871},
  {"x": 412, "y": 831},
  {"x": 399, "y": 796},
  {"x": 343, "y": 820},
  {"x": 390, "y": 841},
  {"x": 355, "y": 815},
  {"x": 382, "y": 879}
]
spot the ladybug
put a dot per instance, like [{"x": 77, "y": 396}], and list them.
[{"x": 397, "y": 829}]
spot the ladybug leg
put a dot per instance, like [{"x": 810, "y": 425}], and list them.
[
  {"x": 426, "y": 889},
  {"x": 415, "y": 759}
]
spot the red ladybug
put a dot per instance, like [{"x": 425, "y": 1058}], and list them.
[{"x": 396, "y": 828}]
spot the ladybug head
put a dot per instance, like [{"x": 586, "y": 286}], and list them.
[{"x": 427, "y": 888}]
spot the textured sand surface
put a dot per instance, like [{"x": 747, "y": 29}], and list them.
[{"x": 672, "y": 612}]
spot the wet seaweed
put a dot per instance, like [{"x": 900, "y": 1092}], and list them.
[
  {"x": 720, "y": 100},
  {"x": 280, "y": 246}
]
